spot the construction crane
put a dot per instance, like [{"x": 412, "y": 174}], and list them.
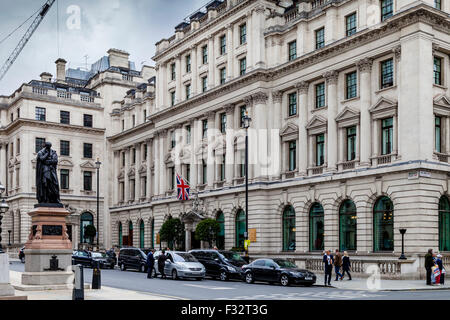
[{"x": 36, "y": 22}]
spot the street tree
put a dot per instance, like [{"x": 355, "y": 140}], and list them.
[{"x": 207, "y": 230}]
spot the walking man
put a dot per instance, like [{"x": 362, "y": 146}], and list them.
[
  {"x": 161, "y": 264},
  {"x": 338, "y": 265},
  {"x": 429, "y": 263},
  {"x": 150, "y": 263},
  {"x": 346, "y": 265},
  {"x": 328, "y": 266}
]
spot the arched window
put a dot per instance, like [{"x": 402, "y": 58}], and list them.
[
  {"x": 220, "y": 241},
  {"x": 141, "y": 234},
  {"x": 120, "y": 235},
  {"x": 316, "y": 227},
  {"x": 347, "y": 226},
  {"x": 130, "y": 233},
  {"x": 444, "y": 224},
  {"x": 383, "y": 225},
  {"x": 153, "y": 233},
  {"x": 86, "y": 219},
  {"x": 240, "y": 228},
  {"x": 289, "y": 229}
]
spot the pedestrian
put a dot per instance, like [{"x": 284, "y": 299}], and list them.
[
  {"x": 441, "y": 268},
  {"x": 429, "y": 263},
  {"x": 338, "y": 265},
  {"x": 328, "y": 267},
  {"x": 346, "y": 266},
  {"x": 150, "y": 263},
  {"x": 215, "y": 248},
  {"x": 161, "y": 264}
]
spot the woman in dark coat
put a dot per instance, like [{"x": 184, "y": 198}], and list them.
[{"x": 346, "y": 266}]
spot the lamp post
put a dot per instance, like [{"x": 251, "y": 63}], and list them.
[
  {"x": 3, "y": 208},
  {"x": 402, "y": 256},
  {"x": 247, "y": 121},
  {"x": 97, "y": 166}
]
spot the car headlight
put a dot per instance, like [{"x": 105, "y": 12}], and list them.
[{"x": 231, "y": 269}]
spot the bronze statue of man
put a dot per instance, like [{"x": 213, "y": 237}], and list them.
[{"x": 47, "y": 186}]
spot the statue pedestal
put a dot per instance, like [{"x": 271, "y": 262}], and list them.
[
  {"x": 48, "y": 238},
  {"x": 6, "y": 290}
]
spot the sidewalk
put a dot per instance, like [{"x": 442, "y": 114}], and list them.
[{"x": 382, "y": 285}]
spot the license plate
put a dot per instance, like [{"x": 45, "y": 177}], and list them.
[{"x": 308, "y": 278}]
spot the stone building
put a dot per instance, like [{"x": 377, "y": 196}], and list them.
[
  {"x": 349, "y": 139},
  {"x": 73, "y": 112}
]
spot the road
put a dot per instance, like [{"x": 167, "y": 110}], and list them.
[{"x": 236, "y": 290}]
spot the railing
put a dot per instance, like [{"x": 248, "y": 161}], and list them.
[
  {"x": 290, "y": 174},
  {"x": 318, "y": 3},
  {"x": 127, "y": 77},
  {"x": 221, "y": 8},
  {"x": 40, "y": 91},
  {"x": 85, "y": 98},
  {"x": 64, "y": 95},
  {"x": 317, "y": 170},
  {"x": 386, "y": 267},
  {"x": 442, "y": 157},
  {"x": 385, "y": 159},
  {"x": 348, "y": 165},
  {"x": 291, "y": 15}
]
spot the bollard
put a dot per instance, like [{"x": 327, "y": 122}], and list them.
[
  {"x": 78, "y": 288},
  {"x": 96, "y": 276}
]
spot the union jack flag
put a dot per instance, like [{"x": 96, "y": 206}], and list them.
[{"x": 182, "y": 189}]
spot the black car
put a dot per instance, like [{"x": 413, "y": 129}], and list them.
[
  {"x": 22, "y": 255},
  {"x": 224, "y": 265},
  {"x": 132, "y": 258},
  {"x": 89, "y": 259},
  {"x": 278, "y": 270}
]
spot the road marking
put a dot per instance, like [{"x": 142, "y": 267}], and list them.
[{"x": 206, "y": 287}]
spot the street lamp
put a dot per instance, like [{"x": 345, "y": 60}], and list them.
[
  {"x": 97, "y": 166},
  {"x": 402, "y": 256},
  {"x": 247, "y": 121},
  {"x": 3, "y": 209}
]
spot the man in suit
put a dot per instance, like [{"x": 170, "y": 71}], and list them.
[
  {"x": 429, "y": 263},
  {"x": 150, "y": 263},
  {"x": 328, "y": 261}
]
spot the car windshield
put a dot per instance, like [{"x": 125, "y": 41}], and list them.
[
  {"x": 98, "y": 255},
  {"x": 183, "y": 257},
  {"x": 232, "y": 256},
  {"x": 285, "y": 263}
]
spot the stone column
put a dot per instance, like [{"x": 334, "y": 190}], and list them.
[
  {"x": 188, "y": 229},
  {"x": 116, "y": 171},
  {"x": 258, "y": 35},
  {"x": 229, "y": 157},
  {"x": 302, "y": 36},
  {"x": 211, "y": 65},
  {"x": 330, "y": 28},
  {"x": 376, "y": 138},
  {"x": 260, "y": 125},
  {"x": 162, "y": 165},
  {"x": 194, "y": 147},
  {"x": 149, "y": 169},
  {"x": 274, "y": 136},
  {"x": 126, "y": 179},
  {"x": 158, "y": 89},
  {"x": 250, "y": 42},
  {"x": 341, "y": 151},
  {"x": 396, "y": 123},
  {"x": 137, "y": 165},
  {"x": 155, "y": 155},
  {"x": 3, "y": 163},
  {"x": 302, "y": 132},
  {"x": 178, "y": 79},
  {"x": 178, "y": 145},
  {"x": 332, "y": 141},
  {"x": 164, "y": 95},
  {"x": 194, "y": 70},
  {"x": 365, "y": 70},
  {"x": 230, "y": 57},
  {"x": 211, "y": 158}
]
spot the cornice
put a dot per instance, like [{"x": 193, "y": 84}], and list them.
[{"x": 51, "y": 125}]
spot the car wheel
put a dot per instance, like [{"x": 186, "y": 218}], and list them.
[
  {"x": 141, "y": 268},
  {"x": 174, "y": 274},
  {"x": 122, "y": 267},
  {"x": 223, "y": 276},
  {"x": 249, "y": 277},
  {"x": 284, "y": 280}
]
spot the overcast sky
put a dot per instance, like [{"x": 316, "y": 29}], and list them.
[{"x": 131, "y": 25}]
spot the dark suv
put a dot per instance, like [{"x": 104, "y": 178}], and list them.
[
  {"x": 132, "y": 258},
  {"x": 221, "y": 264}
]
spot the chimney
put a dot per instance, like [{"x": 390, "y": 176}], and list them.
[
  {"x": 60, "y": 70},
  {"x": 118, "y": 58},
  {"x": 46, "y": 77}
]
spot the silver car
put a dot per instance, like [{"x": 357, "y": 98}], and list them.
[{"x": 180, "y": 265}]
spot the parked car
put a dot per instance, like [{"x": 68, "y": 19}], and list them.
[
  {"x": 277, "y": 270},
  {"x": 181, "y": 265},
  {"x": 104, "y": 260},
  {"x": 222, "y": 264},
  {"x": 132, "y": 258},
  {"x": 22, "y": 255},
  {"x": 89, "y": 259}
]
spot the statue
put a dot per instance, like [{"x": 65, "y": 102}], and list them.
[{"x": 47, "y": 186}]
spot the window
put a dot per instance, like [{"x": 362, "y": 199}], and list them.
[
  {"x": 444, "y": 224},
  {"x": 240, "y": 228},
  {"x": 172, "y": 178},
  {"x": 292, "y": 155},
  {"x": 172, "y": 140},
  {"x": 204, "y": 172},
  {"x": 204, "y": 84},
  {"x": 387, "y": 74},
  {"x": 64, "y": 117},
  {"x": 87, "y": 180},
  {"x": 320, "y": 38},
  {"x": 145, "y": 151},
  {"x": 220, "y": 239},
  {"x": 289, "y": 229},
  {"x": 87, "y": 150},
  {"x": 172, "y": 98},
  {"x": 383, "y": 225},
  {"x": 188, "y": 63},
  {"x": 11, "y": 117},
  {"x": 292, "y": 104},
  {"x": 188, "y": 172},
  {"x": 350, "y": 24},
  {"x": 347, "y": 226},
  {"x": 292, "y": 50},
  {"x": 87, "y": 120},
  {"x": 316, "y": 227},
  {"x": 188, "y": 134},
  {"x": 64, "y": 149},
  {"x": 133, "y": 119},
  {"x": 223, "y": 45},
  {"x": 188, "y": 91},
  {"x": 223, "y": 75},
  {"x": 172, "y": 71},
  {"x": 145, "y": 115},
  {"x": 438, "y": 4},
  {"x": 386, "y": 136},
  {"x": 123, "y": 159},
  {"x": 141, "y": 234},
  {"x": 64, "y": 177},
  {"x": 242, "y": 112},
  {"x": 386, "y": 9},
  {"x": 437, "y": 71},
  {"x": 40, "y": 114},
  {"x": 39, "y": 144},
  {"x": 223, "y": 122},
  {"x": 123, "y": 125},
  {"x": 204, "y": 128},
  {"x": 351, "y": 143},
  {"x": 18, "y": 146},
  {"x": 132, "y": 189},
  {"x": 242, "y": 66},
  {"x": 242, "y": 34},
  {"x": 222, "y": 169},
  {"x": 205, "y": 54},
  {"x": 351, "y": 85},
  {"x": 18, "y": 113},
  {"x": 85, "y": 220},
  {"x": 320, "y": 148},
  {"x": 438, "y": 134},
  {"x": 133, "y": 156},
  {"x": 320, "y": 95}
]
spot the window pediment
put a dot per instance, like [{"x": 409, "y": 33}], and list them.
[
  {"x": 143, "y": 169},
  {"x": 348, "y": 117},
  {"x": 131, "y": 172},
  {"x": 121, "y": 174},
  {"x": 383, "y": 108},
  {"x": 65, "y": 163},
  {"x": 316, "y": 125},
  {"x": 87, "y": 165},
  {"x": 442, "y": 105},
  {"x": 289, "y": 132}
]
